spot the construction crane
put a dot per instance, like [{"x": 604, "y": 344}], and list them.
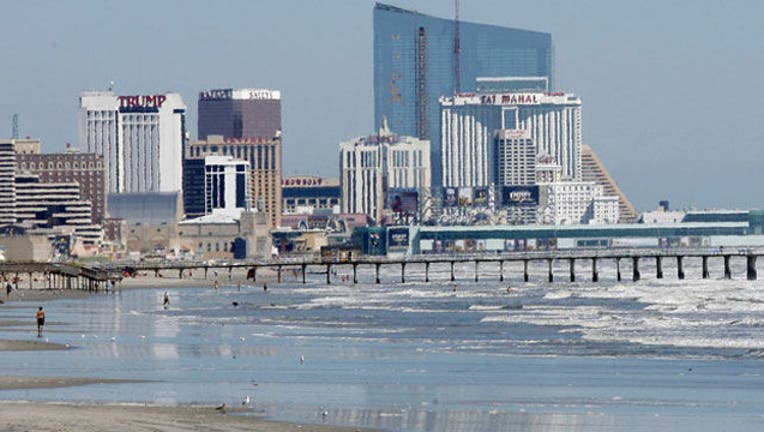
[{"x": 457, "y": 51}]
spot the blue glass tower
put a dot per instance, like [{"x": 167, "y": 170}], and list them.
[{"x": 414, "y": 64}]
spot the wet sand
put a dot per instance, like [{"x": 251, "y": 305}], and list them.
[
  {"x": 50, "y": 417},
  {"x": 60, "y": 417}
]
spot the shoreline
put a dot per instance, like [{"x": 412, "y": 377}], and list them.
[{"x": 55, "y": 417}]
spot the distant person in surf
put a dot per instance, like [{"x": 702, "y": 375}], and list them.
[
  {"x": 166, "y": 301},
  {"x": 40, "y": 321}
]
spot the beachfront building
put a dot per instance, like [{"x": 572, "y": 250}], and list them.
[
  {"x": 301, "y": 193},
  {"x": 372, "y": 168},
  {"x": 215, "y": 183},
  {"x": 239, "y": 113},
  {"x": 469, "y": 121},
  {"x": 593, "y": 170},
  {"x": 140, "y": 137},
  {"x": 263, "y": 156},
  {"x": 415, "y": 63},
  {"x": 514, "y": 158},
  {"x": 571, "y": 203},
  {"x": 86, "y": 169},
  {"x": 7, "y": 182}
]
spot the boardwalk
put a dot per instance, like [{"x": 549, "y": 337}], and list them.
[{"x": 574, "y": 257}]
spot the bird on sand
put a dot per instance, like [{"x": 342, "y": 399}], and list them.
[
  {"x": 302, "y": 359},
  {"x": 246, "y": 400},
  {"x": 221, "y": 407}
]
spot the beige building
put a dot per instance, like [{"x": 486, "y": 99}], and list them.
[
  {"x": 26, "y": 248},
  {"x": 264, "y": 157},
  {"x": 214, "y": 236}
]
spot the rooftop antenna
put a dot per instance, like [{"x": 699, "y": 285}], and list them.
[
  {"x": 457, "y": 50},
  {"x": 15, "y": 126}
]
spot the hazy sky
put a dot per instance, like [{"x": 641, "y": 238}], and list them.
[{"x": 673, "y": 91}]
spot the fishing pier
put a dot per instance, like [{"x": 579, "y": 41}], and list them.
[{"x": 591, "y": 258}]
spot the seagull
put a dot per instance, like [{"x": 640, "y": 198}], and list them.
[
  {"x": 235, "y": 303},
  {"x": 221, "y": 407},
  {"x": 302, "y": 359},
  {"x": 246, "y": 400},
  {"x": 324, "y": 414}
]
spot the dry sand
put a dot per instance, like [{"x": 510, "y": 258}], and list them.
[{"x": 44, "y": 417}]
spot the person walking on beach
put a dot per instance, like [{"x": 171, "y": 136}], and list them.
[
  {"x": 40, "y": 321},
  {"x": 8, "y": 289},
  {"x": 166, "y": 302}
]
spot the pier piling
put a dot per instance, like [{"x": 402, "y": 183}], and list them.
[
  {"x": 427, "y": 271},
  {"x": 525, "y": 270},
  {"x": 551, "y": 273},
  {"x": 377, "y": 272},
  {"x": 618, "y": 269},
  {"x": 452, "y": 272},
  {"x": 727, "y": 270},
  {"x": 635, "y": 275},
  {"x": 751, "y": 267},
  {"x": 704, "y": 260},
  {"x": 679, "y": 267},
  {"x": 572, "y": 263},
  {"x": 403, "y": 272},
  {"x": 476, "y": 270},
  {"x": 595, "y": 273},
  {"x": 659, "y": 267}
]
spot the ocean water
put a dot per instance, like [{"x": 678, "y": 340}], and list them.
[{"x": 442, "y": 356}]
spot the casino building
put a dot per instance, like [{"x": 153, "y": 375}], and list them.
[
  {"x": 415, "y": 64},
  {"x": 469, "y": 121},
  {"x": 309, "y": 191},
  {"x": 239, "y": 113},
  {"x": 141, "y": 139},
  {"x": 264, "y": 158}
]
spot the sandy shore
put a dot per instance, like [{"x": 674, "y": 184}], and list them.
[{"x": 49, "y": 417}]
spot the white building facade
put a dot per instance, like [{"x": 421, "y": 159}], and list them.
[
  {"x": 371, "y": 166},
  {"x": 469, "y": 121},
  {"x": 226, "y": 184},
  {"x": 577, "y": 202},
  {"x": 141, "y": 139}
]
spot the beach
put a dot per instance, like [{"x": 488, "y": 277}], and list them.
[
  {"x": 61, "y": 417},
  {"x": 54, "y": 417}
]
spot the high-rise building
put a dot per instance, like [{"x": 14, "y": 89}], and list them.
[
  {"x": 86, "y": 169},
  {"x": 224, "y": 185},
  {"x": 141, "y": 139},
  {"x": 7, "y": 182},
  {"x": 373, "y": 167},
  {"x": 239, "y": 113},
  {"x": 264, "y": 157},
  {"x": 470, "y": 120},
  {"x": 594, "y": 170},
  {"x": 415, "y": 64},
  {"x": 515, "y": 158},
  {"x": 55, "y": 205}
]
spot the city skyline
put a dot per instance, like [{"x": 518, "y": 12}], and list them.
[{"x": 659, "y": 107}]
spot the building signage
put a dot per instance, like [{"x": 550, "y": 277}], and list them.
[
  {"x": 146, "y": 101},
  {"x": 523, "y": 196},
  {"x": 511, "y": 99},
  {"x": 220, "y": 94},
  {"x": 301, "y": 181},
  {"x": 397, "y": 238},
  {"x": 228, "y": 94}
]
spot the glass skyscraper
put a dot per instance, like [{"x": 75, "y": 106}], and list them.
[{"x": 414, "y": 64}]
